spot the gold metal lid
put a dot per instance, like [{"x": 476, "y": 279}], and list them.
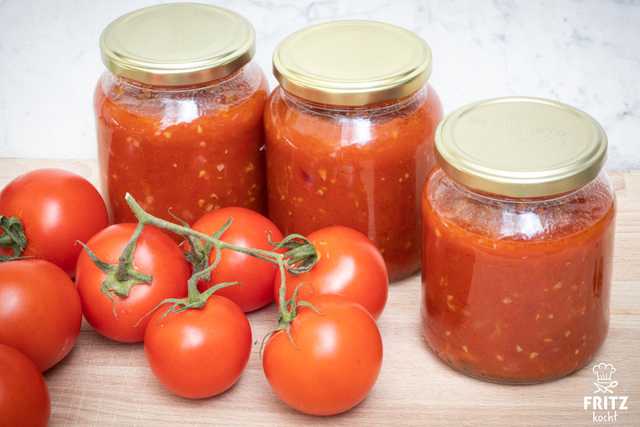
[
  {"x": 177, "y": 44},
  {"x": 521, "y": 147},
  {"x": 352, "y": 63}
]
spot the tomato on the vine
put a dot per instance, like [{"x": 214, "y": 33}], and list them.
[
  {"x": 348, "y": 265},
  {"x": 24, "y": 397},
  {"x": 124, "y": 318},
  {"x": 56, "y": 209},
  {"x": 199, "y": 352},
  {"x": 255, "y": 276},
  {"x": 330, "y": 359},
  {"x": 40, "y": 312}
]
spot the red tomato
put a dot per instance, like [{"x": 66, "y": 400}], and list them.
[
  {"x": 349, "y": 265},
  {"x": 333, "y": 361},
  {"x": 56, "y": 208},
  {"x": 255, "y": 276},
  {"x": 24, "y": 397},
  {"x": 124, "y": 319},
  {"x": 199, "y": 353},
  {"x": 40, "y": 312}
]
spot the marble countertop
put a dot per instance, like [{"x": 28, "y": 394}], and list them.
[{"x": 585, "y": 53}]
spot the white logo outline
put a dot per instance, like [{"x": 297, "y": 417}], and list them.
[{"x": 604, "y": 378}]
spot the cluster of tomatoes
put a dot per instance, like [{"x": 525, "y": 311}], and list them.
[{"x": 138, "y": 283}]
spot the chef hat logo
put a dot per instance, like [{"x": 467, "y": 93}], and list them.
[{"x": 604, "y": 372}]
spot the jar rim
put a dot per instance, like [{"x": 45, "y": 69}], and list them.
[
  {"x": 352, "y": 63},
  {"x": 177, "y": 44},
  {"x": 521, "y": 147}
]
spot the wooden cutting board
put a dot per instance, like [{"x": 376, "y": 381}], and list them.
[{"x": 102, "y": 383}]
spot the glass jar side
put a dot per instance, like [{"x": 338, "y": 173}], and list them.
[
  {"x": 361, "y": 167},
  {"x": 516, "y": 291},
  {"x": 177, "y": 148}
]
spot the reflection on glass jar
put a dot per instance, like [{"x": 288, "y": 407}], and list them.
[
  {"x": 518, "y": 242},
  {"x": 350, "y": 141},
  {"x": 183, "y": 131}
]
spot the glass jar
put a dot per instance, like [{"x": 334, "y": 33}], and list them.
[
  {"x": 179, "y": 114},
  {"x": 518, "y": 241},
  {"x": 350, "y": 136}
]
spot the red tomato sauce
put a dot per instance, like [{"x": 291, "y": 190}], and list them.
[
  {"x": 360, "y": 167},
  {"x": 516, "y": 293},
  {"x": 185, "y": 150}
]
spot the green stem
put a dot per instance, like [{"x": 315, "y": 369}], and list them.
[
  {"x": 125, "y": 262},
  {"x": 300, "y": 257},
  {"x": 204, "y": 274},
  {"x": 146, "y": 218},
  {"x": 283, "y": 308}
]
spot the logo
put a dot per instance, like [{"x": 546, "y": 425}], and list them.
[
  {"x": 604, "y": 378},
  {"x": 603, "y": 403}
]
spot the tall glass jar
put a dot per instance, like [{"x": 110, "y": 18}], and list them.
[
  {"x": 518, "y": 241},
  {"x": 350, "y": 134},
  {"x": 179, "y": 112}
]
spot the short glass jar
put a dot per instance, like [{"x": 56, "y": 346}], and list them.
[
  {"x": 179, "y": 114},
  {"x": 518, "y": 241},
  {"x": 350, "y": 136}
]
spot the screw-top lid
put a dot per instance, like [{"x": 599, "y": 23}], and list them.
[
  {"x": 177, "y": 44},
  {"x": 352, "y": 63},
  {"x": 521, "y": 147}
]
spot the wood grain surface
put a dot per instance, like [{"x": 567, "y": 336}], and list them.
[{"x": 103, "y": 383}]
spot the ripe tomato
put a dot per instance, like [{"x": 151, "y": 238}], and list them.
[
  {"x": 331, "y": 361},
  {"x": 24, "y": 397},
  {"x": 40, "y": 312},
  {"x": 56, "y": 209},
  {"x": 199, "y": 353},
  {"x": 124, "y": 319},
  {"x": 348, "y": 265},
  {"x": 255, "y": 276}
]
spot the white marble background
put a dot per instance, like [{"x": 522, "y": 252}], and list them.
[{"x": 586, "y": 53}]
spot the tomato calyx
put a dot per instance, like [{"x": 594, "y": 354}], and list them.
[
  {"x": 290, "y": 310},
  {"x": 120, "y": 278},
  {"x": 196, "y": 299},
  {"x": 287, "y": 309},
  {"x": 12, "y": 237},
  {"x": 300, "y": 256}
]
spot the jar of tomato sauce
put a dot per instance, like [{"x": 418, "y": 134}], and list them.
[
  {"x": 179, "y": 112},
  {"x": 350, "y": 134},
  {"x": 518, "y": 241}
]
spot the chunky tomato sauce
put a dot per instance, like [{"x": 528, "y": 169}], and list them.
[
  {"x": 516, "y": 292},
  {"x": 359, "y": 167},
  {"x": 188, "y": 150}
]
